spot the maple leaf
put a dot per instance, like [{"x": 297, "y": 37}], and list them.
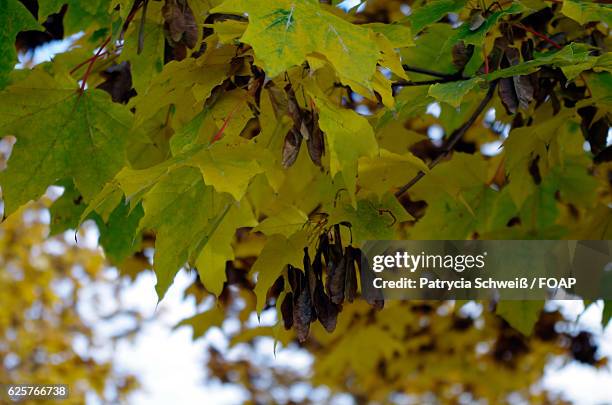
[
  {"x": 13, "y": 19},
  {"x": 283, "y": 33},
  {"x": 60, "y": 134}
]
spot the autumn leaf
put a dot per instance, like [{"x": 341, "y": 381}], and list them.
[
  {"x": 87, "y": 143},
  {"x": 284, "y": 33}
]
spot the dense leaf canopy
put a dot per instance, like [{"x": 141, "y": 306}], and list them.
[{"x": 261, "y": 142}]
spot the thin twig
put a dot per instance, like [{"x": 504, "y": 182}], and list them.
[
  {"x": 85, "y": 62},
  {"x": 135, "y": 7},
  {"x": 141, "y": 30},
  {"x": 539, "y": 35},
  {"x": 452, "y": 140},
  {"x": 92, "y": 62}
]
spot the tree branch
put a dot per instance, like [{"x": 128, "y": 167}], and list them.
[
  {"x": 452, "y": 140},
  {"x": 455, "y": 76},
  {"x": 441, "y": 77}
]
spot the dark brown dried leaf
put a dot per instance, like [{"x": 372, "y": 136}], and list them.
[
  {"x": 276, "y": 289},
  {"x": 508, "y": 95},
  {"x": 326, "y": 311},
  {"x": 527, "y": 49},
  {"x": 524, "y": 90},
  {"x": 302, "y": 314},
  {"x": 324, "y": 246},
  {"x": 293, "y": 276},
  {"x": 462, "y": 54},
  {"x": 316, "y": 143},
  {"x": 118, "y": 82},
  {"x": 335, "y": 281},
  {"x": 287, "y": 311},
  {"x": 350, "y": 281},
  {"x": 336, "y": 247},
  {"x": 311, "y": 277},
  {"x": 278, "y": 99},
  {"x": 179, "y": 23},
  {"x": 513, "y": 56},
  {"x": 317, "y": 263},
  {"x": 291, "y": 148},
  {"x": 517, "y": 92}
]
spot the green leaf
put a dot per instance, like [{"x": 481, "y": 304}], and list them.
[
  {"x": 371, "y": 220},
  {"x": 119, "y": 234},
  {"x": 118, "y": 229},
  {"x": 14, "y": 19},
  {"x": 453, "y": 93},
  {"x": 124, "y": 7},
  {"x": 349, "y": 137},
  {"x": 388, "y": 170},
  {"x": 585, "y": 11},
  {"x": 197, "y": 131},
  {"x": 410, "y": 102},
  {"x": 428, "y": 52},
  {"x": 521, "y": 315},
  {"x": 477, "y": 36},
  {"x": 276, "y": 254},
  {"x": 286, "y": 222},
  {"x": 229, "y": 31},
  {"x": 66, "y": 211},
  {"x": 228, "y": 169},
  {"x": 460, "y": 201},
  {"x": 282, "y": 33},
  {"x": 150, "y": 61},
  {"x": 184, "y": 84},
  {"x": 601, "y": 88},
  {"x": 462, "y": 172},
  {"x": 556, "y": 141},
  {"x": 539, "y": 210},
  {"x": 576, "y": 185},
  {"x": 79, "y": 15},
  {"x": 572, "y": 59},
  {"x": 400, "y": 36},
  {"x": 480, "y": 210},
  {"x": 433, "y": 11},
  {"x": 60, "y": 134},
  {"x": 218, "y": 248},
  {"x": 183, "y": 211}
]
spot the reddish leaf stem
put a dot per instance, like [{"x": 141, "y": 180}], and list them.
[
  {"x": 226, "y": 121},
  {"x": 92, "y": 62},
  {"x": 85, "y": 62},
  {"x": 539, "y": 35}
]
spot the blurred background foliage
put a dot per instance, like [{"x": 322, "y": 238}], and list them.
[{"x": 45, "y": 338}]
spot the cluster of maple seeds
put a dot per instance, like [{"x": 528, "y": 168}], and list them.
[
  {"x": 310, "y": 299},
  {"x": 305, "y": 127}
]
